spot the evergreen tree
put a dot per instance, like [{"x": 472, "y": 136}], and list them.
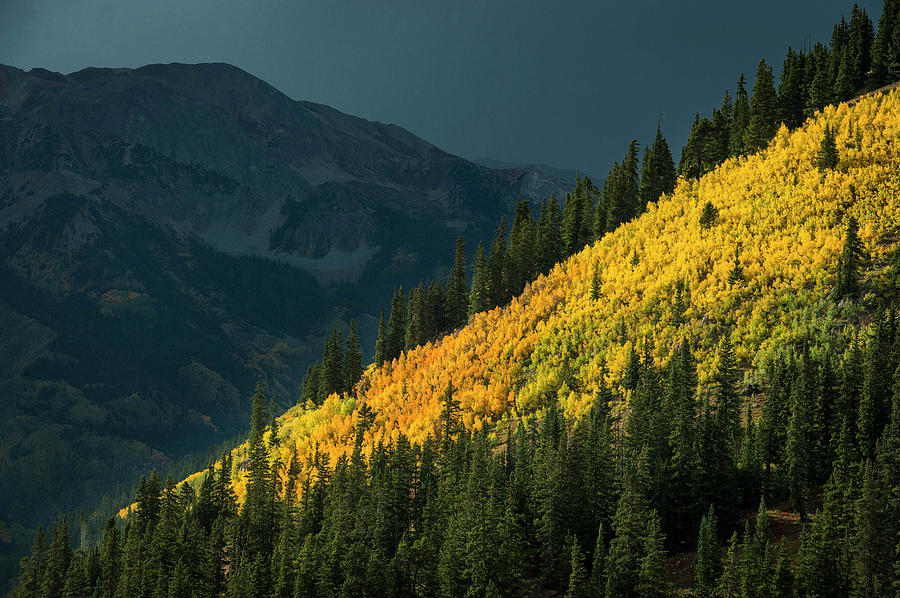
[
  {"x": 757, "y": 556},
  {"x": 621, "y": 191},
  {"x": 706, "y": 568},
  {"x": 635, "y": 553},
  {"x": 457, "y": 300},
  {"x": 434, "y": 320},
  {"x": 579, "y": 584},
  {"x": 77, "y": 583},
  {"x": 801, "y": 438},
  {"x": 821, "y": 83},
  {"x": 630, "y": 181},
  {"x": 850, "y": 262},
  {"x": 763, "y": 122},
  {"x": 550, "y": 246},
  {"x": 721, "y": 121},
  {"x": 741, "y": 119},
  {"x": 680, "y": 509},
  {"x": 886, "y": 46},
  {"x": 611, "y": 204},
  {"x": 332, "y": 373},
  {"x": 652, "y": 581},
  {"x": 843, "y": 83},
  {"x": 598, "y": 569},
  {"x": 657, "y": 170},
  {"x": 205, "y": 511},
  {"x": 282, "y": 564},
  {"x": 702, "y": 152},
  {"x": 31, "y": 569},
  {"x": 312, "y": 385},
  {"x": 521, "y": 259},
  {"x": 590, "y": 198},
  {"x": 479, "y": 299},
  {"x": 790, "y": 90},
  {"x": 709, "y": 215},
  {"x": 632, "y": 370},
  {"x": 110, "y": 561},
  {"x": 509, "y": 574},
  {"x": 59, "y": 556},
  {"x": 573, "y": 212},
  {"x": 415, "y": 319},
  {"x": 396, "y": 329},
  {"x": 839, "y": 35},
  {"x": 596, "y": 283},
  {"x": 679, "y": 306},
  {"x": 223, "y": 495},
  {"x": 725, "y": 380},
  {"x": 729, "y": 583},
  {"x": 353, "y": 360},
  {"x": 147, "y": 511},
  {"x": 449, "y": 412},
  {"x": 873, "y": 551},
  {"x": 750, "y": 459},
  {"x": 827, "y": 158},
  {"x": 718, "y": 438},
  {"x": 257, "y": 516},
  {"x": 549, "y": 495},
  {"x": 874, "y": 409},
  {"x": 783, "y": 584},
  {"x": 497, "y": 285},
  {"x": 860, "y": 35},
  {"x": 381, "y": 348}
]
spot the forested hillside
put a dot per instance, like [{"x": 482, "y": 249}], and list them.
[
  {"x": 760, "y": 273},
  {"x": 502, "y": 457},
  {"x": 662, "y": 387}
]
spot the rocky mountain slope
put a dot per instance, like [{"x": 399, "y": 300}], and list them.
[{"x": 222, "y": 154}]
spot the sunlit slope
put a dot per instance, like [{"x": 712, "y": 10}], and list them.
[{"x": 552, "y": 342}]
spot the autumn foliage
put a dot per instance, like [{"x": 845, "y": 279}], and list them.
[{"x": 555, "y": 342}]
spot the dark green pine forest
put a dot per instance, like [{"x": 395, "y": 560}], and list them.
[{"x": 785, "y": 484}]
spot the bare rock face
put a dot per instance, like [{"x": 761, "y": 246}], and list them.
[{"x": 171, "y": 234}]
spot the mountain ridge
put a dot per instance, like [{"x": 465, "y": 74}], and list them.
[
  {"x": 198, "y": 202},
  {"x": 296, "y": 152}
]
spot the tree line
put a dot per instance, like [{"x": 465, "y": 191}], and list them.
[{"x": 856, "y": 60}]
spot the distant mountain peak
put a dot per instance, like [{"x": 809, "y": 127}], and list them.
[{"x": 213, "y": 149}]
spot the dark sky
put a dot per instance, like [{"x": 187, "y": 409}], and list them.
[{"x": 559, "y": 82}]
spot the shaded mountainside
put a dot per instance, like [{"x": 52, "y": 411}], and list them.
[
  {"x": 226, "y": 156},
  {"x": 776, "y": 214},
  {"x": 169, "y": 235},
  {"x": 126, "y": 344}
]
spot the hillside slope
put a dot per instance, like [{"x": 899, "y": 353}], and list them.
[
  {"x": 168, "y": 235},
  {"x": 552, "y": 342}
]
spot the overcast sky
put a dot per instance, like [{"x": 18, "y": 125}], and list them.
[{"x": 559, "y": 82}]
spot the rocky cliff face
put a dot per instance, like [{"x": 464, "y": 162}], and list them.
[{"x": 171, "y": 234}]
